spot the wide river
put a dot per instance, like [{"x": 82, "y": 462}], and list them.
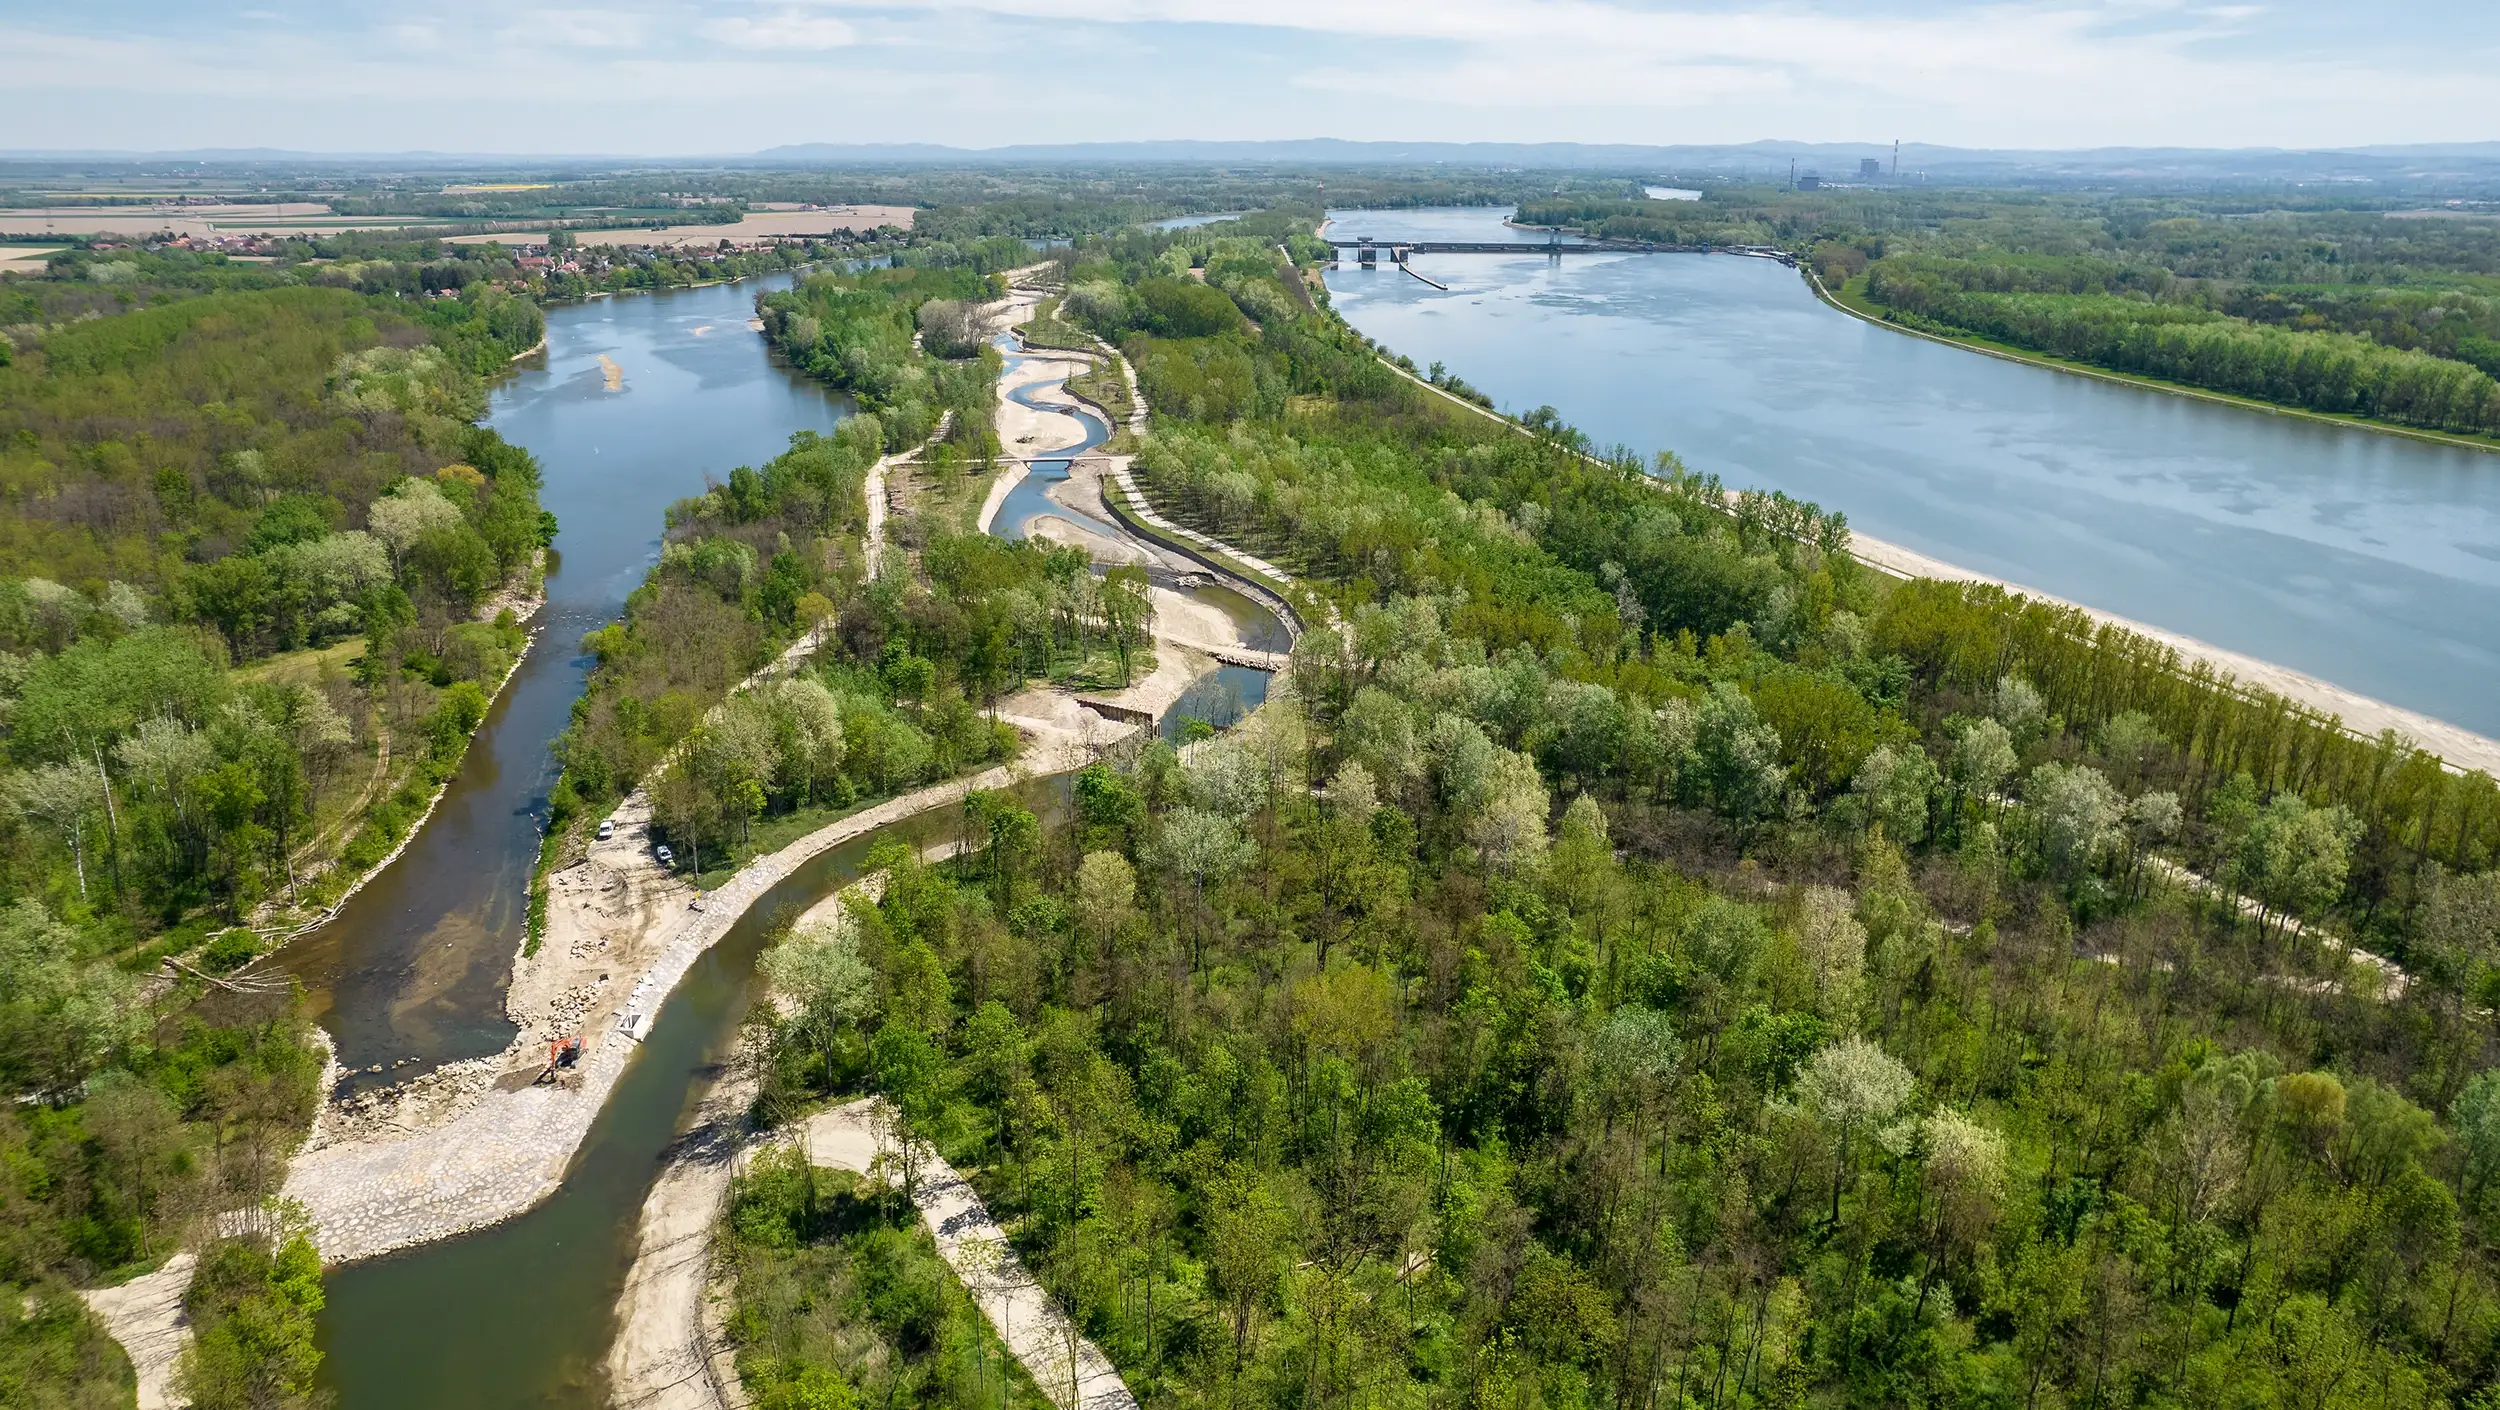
[{"x": 2365, "y": 559}]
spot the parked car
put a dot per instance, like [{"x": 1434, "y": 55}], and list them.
[
  {"x": 667, "y": 857},
  {"x": 607, "y": 828}
]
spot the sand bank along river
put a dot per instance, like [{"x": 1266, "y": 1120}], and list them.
[
  {"x": 2368, "y": 560},
  {"x": 628, "y": 409},
  {"x": 522, "y": 1313}
]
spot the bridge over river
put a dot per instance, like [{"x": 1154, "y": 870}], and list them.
[{"x": 1368, "y": 251}]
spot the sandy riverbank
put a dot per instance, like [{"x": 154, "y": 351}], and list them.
[
  {"x": 1025, "y": 430},
  {"x": 1072, "y": 533},
  {"x": 2463, "y": 749},
  {"x": 483, "y": 1143},
  {"x": 1002, "y": 484},
  {"x": 669, "y": 1353},
  {"x": 671, "y": 1350},
  {"x": 2460, "y": 747}
]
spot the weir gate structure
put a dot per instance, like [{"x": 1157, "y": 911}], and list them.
[{"x": 1368, "y": 251}]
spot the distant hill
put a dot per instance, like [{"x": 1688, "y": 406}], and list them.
[
  {"x": 2473, "y": 161},
  {"x": 1837, "y": 156}
]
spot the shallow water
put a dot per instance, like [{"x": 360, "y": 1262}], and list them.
[
  {"x": 2366, "y": 559},
  {"x": 1219, "y": 698},
  {"x": 1030, "y": 499}
]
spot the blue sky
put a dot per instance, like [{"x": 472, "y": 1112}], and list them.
[{"x": 663, "y": 77}]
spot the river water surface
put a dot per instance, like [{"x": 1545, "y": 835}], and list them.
[
  {"x": 417, "y": 964},
  {"x": 521, "y": 1316},
  {"x": 634, "y": 403},
  {"x": 2365, "y": 559}
]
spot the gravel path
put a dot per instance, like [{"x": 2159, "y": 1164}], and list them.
[
  {"x": 145, "y": 1315},
  {"x": 1071, "y": 1370}
]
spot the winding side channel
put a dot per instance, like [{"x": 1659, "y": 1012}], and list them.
[{"x": 521, "y": 1316}]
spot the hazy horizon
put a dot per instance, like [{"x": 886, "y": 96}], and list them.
[{"x": 662, "y": 78}]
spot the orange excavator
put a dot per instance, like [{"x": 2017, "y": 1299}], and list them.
[{"x": 562, "y": 1054}]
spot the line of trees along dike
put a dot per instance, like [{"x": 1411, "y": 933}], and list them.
[{"x": 1644, "y": 959}]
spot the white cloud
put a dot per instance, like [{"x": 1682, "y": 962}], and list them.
[
  {"x": 580, "y": 29},
  {"x": 2027, "y": 73},
  {"x": 2020, "y": 72},
  {"x": 788, "y": 30}
]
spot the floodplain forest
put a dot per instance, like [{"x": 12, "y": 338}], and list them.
[
  {"x": 1638, "y": 957},
  {"x": 258, "y": 577}
]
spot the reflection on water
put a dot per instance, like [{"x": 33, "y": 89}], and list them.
[
  {"x": 1219, "y": 698},
  {"x": 417, "y": 963},
  {"x": 2366, "y": 559},
  {"x": 1258, "y": 627},
  {"x": 1030, "y": 499},
  {"x": 520, "y": 1316}
]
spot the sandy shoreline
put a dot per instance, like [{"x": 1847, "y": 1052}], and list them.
[
  {"x": 668, "y": 1353},
  {"x": 670, "y": 1350},
  {"x": 471, "y": 1144},
  {"x": 493, "y": 1144},
  {"x": 2461, "y": 748},
  {"x": 1027, "y": 431}
]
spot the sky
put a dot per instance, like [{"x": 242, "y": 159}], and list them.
[{"x": 661, "y": 77}]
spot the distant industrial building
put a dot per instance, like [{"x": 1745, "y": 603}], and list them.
[{"x": 1870, "y": 169}]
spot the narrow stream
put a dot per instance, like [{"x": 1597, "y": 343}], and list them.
[
  {"x": 1220, "y": 697},
  {"x": 1030, "y": 499},
  {"x": 521, "y": 1316}
]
